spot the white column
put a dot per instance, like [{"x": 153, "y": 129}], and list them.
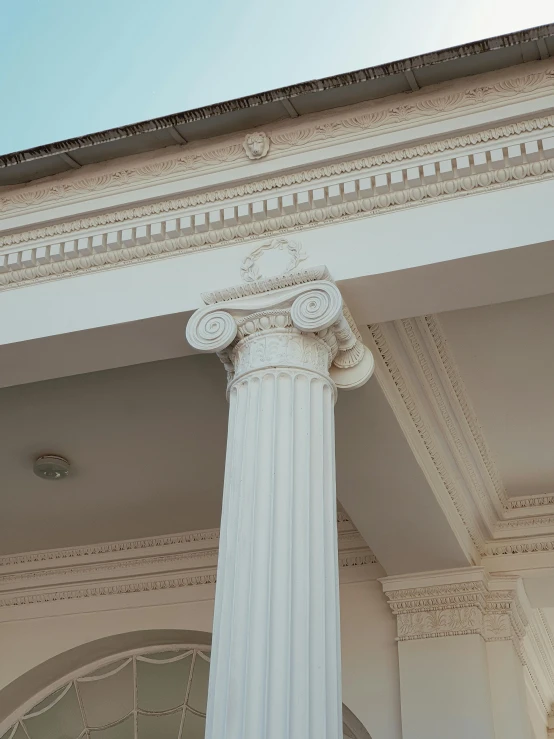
[{"x": 275, "y": 671}]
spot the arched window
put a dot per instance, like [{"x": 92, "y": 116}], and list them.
[{"x": 156, "y": 692}]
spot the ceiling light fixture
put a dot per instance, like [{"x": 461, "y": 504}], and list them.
[{"x": 51, "y": 467}]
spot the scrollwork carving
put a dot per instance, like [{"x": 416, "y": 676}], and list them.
[
  {"x": 317, "y": 309},
  {"x": 212, "y": 331},
  {"x": 281, "y": 323}
]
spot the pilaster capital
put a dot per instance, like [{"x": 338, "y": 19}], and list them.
[
  {"x": 458, "y": 602},
  {"x": 295, "y": 320}
]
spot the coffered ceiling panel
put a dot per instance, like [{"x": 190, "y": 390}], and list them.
[{"x": 505, "y": 355}]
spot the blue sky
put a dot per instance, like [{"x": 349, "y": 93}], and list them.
[{"x": 72, "y": 67}]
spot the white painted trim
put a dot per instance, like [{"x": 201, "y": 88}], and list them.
[
  {"x": 479, "y": 101},
  {"x": 419, "y": 376},
  {"x": 467, "y": 601},
  {"x": 351, "y": 189},
  {"x": 64, "y": 578}
]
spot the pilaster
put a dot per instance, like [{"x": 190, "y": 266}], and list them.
[{"x": 462, "y": 654}]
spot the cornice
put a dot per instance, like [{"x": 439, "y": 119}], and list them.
[
  {"x": 370, "y": 193},
  {"x": 456, "y": 603},
  {"x": 507, "y": 507},
  {"x": 467, "y": 601},
  {"x": 530, "y": 501},
  {"x": 284, "y": 94},
  {"x": 259, "y": 186},
  {"x": 129, "y": 547},
  {"x": 527, "y": 545},
  {"x": 144, "y": 565},
  {"x": 332, "y": 200},
  {"x": 94, "y": 591},
  {"x": 486, "y": 477},
  {"x": 436, "y": 103},
  {"x": 405, "y": 395},
  {"x": 427, "y": 388},
  {"x": 101, "y": 569}
]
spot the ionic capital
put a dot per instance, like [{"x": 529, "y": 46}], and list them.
[{"x": 298, "y": 320}]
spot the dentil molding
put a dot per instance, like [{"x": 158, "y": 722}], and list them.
[
  {"x": 259, "y": 186},
  {"x": 403, "y": 391},
  {"x": 422, "y": 382},
  {"x": 455, "y": 603},
  {"x": 467, "y": 601},
  {"x": 431, "y": 104},
  {"x": 60, "y": 577},
  {"x": 339, "y": 192}
]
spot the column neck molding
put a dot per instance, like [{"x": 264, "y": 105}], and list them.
[{"x": 296, "y": 321}]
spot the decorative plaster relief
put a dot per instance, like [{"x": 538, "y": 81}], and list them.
[
  {"x": 291, "y": 321},
  {"x": 87, "y": 552},
  {"x": 520, "y": 546},
  {"x": 471, "y": 604},
  {"x": 250, "y": 268},
  {"x": 448, "y": 622},
  {"x": 467, "y": 601},
  {"x": 426, "y": 388},
  {"x": 436, "y": 103},
  {"x": 141, "y": 586},
  {"x": 362, "y": 196},
  {"x": 419, "y": 428},
  {"x": 256, "y": 145},
  {"x": 531, "y": 501},
  {"x": 143, "y": 565},
  {"x": 499, "y": 133}
]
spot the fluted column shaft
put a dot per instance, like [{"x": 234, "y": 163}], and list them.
[{"x": 275, "y": 669}]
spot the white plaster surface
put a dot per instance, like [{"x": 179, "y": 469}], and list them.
[
  {"x": 370, "y": 680},
  {"x": 369, "y": 656},
  {"x": 444, "y": 684}
]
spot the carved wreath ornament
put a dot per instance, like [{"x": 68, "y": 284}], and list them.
[{"x": 250, "y": 269}]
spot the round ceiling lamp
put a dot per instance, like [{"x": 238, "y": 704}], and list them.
[{"x": 51, "y": 467}]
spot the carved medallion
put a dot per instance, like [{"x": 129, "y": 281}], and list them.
[
  {"x": 256, "y": 145},
  {"x": 250, "y": 267}
]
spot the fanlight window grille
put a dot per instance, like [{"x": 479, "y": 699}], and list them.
[{"x": 157, "y": 694}]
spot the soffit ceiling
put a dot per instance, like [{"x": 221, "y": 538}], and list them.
[
  {"x": 146, "y": 445},
  {"x": 147, "y": 449},
  {"x": 505, "y": 356}
]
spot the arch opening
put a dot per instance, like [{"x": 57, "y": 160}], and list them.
[{"x": 156, "y": 687}]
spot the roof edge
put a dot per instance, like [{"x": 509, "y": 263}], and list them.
[{"x": 278, "y": 94}]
